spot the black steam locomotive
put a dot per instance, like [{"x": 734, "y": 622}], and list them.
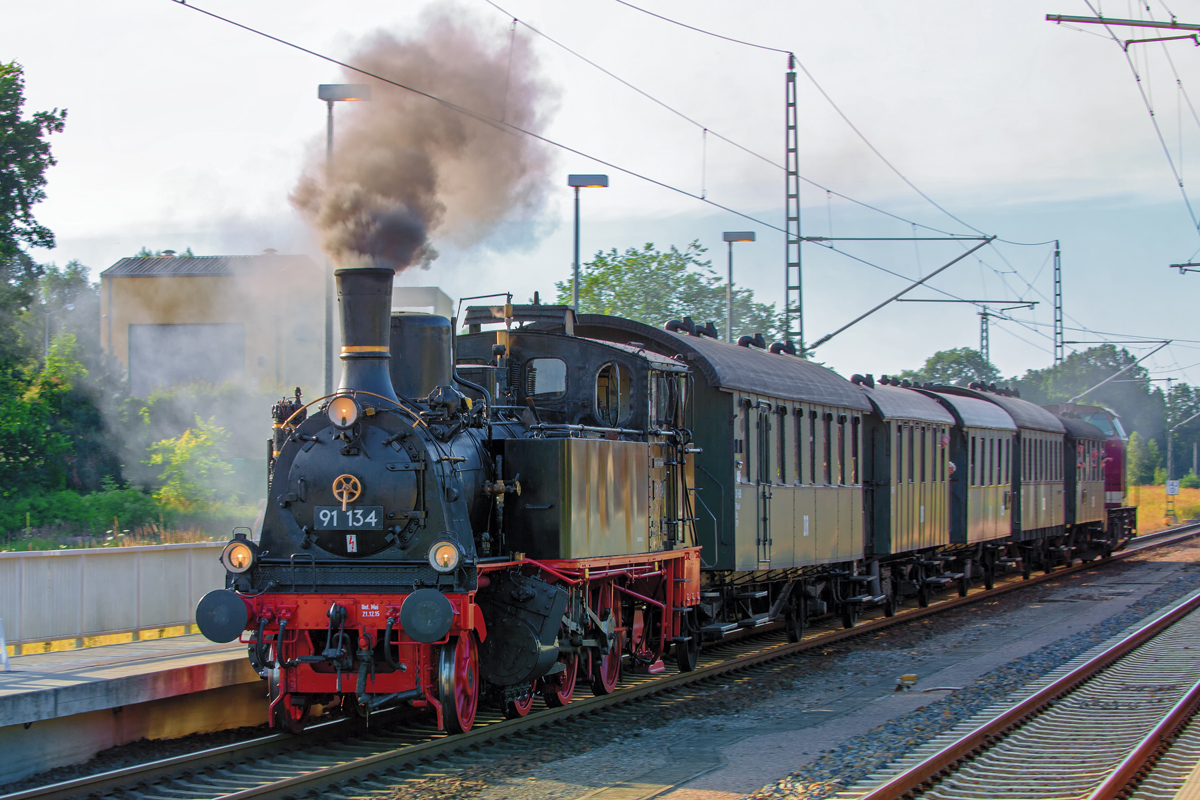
[{"x": 566, "y": 498}]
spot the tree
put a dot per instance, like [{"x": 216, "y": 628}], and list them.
[
  {"x": 1140, "y": 406},
  {"x": 653, "y": 286},
  {"x": 1144, "y": 460},
  {"x": 194, "y": 472},
  {"x": 954, "y": 368},
  {"x": 24, "y": 158}
]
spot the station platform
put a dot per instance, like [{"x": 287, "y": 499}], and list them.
[{"x": 63, "y": 707}]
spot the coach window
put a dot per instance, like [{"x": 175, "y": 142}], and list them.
[
  {"x": 827, "y": 434},
  {"x": 812, "y": 446},
  {"x": 854, "y": 434},
  {"x": 745, "y": 475},
  {"x": 1008, "y": 460},
  {"x": 798, "y": 435},
  {"x": 781, "y": 450},
  {"x": 924, "y": 445},
  {"x": 841, "y": 448},
  {"x": 545, "y": 378},
  {"x": 912, "y": 454},
  {"x": 971, "y": 465},
  {"x": 898, "y": 472}
]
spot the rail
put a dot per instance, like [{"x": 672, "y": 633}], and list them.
[{"x": 75, "y": 594}]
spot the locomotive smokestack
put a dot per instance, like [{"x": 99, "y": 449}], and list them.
[{"x": 365, "y": 304}]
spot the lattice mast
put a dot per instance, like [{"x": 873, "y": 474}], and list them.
[
  {"x": 793, "y": 307},
  {"x": 1058, "y": 306}
]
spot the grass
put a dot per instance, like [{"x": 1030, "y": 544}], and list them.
[{"x": 1152, "y": 506}]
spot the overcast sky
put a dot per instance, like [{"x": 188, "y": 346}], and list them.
[{"x": 184, "y": 131}]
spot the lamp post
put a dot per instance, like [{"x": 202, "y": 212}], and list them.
[
  {"x": 581, "y": 182},
  {"x": 332, "y": 93},
  {"x": 731, "y": 237},
  {"x": 46, "y": 335}
]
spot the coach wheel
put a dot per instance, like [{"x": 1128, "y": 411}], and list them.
[
  {"x": 1026, "y": 567},
  {"x": 793, "y": 620},
  {"x": 849, "y": 615},
  {"x": 892, "y": 600},
  {"x": 458, "y": 682},
  {"x": 964, "y": 586},
  {"x": 289, "y": 712},
  {"x": 606, "y": 667},
  {"x": 558, "y": 688},
  {"x": 923, "y": 595},
  {"x": 687, "y": 654},
  {"x": 989, "y": 576},
  {"x": 515, "y": 709}
]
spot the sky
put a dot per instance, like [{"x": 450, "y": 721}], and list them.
[{"x": 186, "y": 131}]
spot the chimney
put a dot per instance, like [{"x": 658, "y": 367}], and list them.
[{"x": 365, "y": 305}]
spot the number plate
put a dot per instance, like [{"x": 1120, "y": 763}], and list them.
[{"x": 354, "y": 518}]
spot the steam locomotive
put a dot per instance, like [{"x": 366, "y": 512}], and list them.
[{"x": 496, "y": 516}]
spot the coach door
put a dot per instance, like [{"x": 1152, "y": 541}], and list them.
[{"x": 765, "y": 479}]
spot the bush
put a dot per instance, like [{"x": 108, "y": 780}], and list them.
[
  {"x": 85, "y": 513},
  {"x": 1191, "y": 480}
]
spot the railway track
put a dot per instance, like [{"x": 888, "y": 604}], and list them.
[
  {"x": 1089, "y": 733},
  {"x": 405, "y": 747}
]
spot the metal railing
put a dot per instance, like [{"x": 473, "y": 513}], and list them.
[{"x": 73, "y": 594}]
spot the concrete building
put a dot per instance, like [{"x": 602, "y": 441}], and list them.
[{"x": 256, "y": 321}]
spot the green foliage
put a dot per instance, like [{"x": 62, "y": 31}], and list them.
[
  {"x": 92, "y": 512},
  {"x": 24, "y": 158},
  {"x": 954, "y": 368},
  {"x": 1191, "y": 480},
  {"x": 1140, "y": 406},
  {"x": 654, "y": 286},
  {"x": 194, "y": 474},
  {"x": 1144, "y": 460}
]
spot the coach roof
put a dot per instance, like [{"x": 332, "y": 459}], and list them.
[
  {"x": 1024, "y": 413},
  {"x": 729, "y": 366},
  {"x": 975, "y": 413},
  {"x": 894, "y": 402}
]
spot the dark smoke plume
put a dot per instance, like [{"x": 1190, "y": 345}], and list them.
[{"x": 406, "y": 166}]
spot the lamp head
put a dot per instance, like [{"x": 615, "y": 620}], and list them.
[
  {"x": 738, "y": 236},
  {"x": 587, "y": 181},
  {"x": 343, "y": 91}
]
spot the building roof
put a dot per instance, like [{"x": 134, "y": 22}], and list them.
[
  {"x": 975, "y": 413},
  {"x": 894, "y": 402},
  {"x": 192, "y": 266},
  {"x": 729, "y": 366}
]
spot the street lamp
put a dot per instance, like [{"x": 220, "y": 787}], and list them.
[
  {"x": 46, "y": 336},
  {"x": 731, "y": 237},
  {"x": 581, "y": 182},
  {"x": 332, "y": 93}
]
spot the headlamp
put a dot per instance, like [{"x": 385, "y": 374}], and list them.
[
  {"x": 343, "y": 411},
  {"x": 444, "y": 556},
  {"x": 238, "y": 556}
]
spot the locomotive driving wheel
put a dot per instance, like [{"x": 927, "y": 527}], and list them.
[
  {"x": 458, "y": 682},
  {"x": 558, "y": 688},
  {"x": 606, "y": 667}
]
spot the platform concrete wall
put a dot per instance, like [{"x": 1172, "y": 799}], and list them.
[{"x": 70, "y": 594}]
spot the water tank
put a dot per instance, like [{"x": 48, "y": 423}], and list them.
[{"x": 421, "y": 353}]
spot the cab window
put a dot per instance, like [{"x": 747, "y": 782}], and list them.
[
  {"x": 545, "y": 378},
  {"x": 614, "y": 394}
]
